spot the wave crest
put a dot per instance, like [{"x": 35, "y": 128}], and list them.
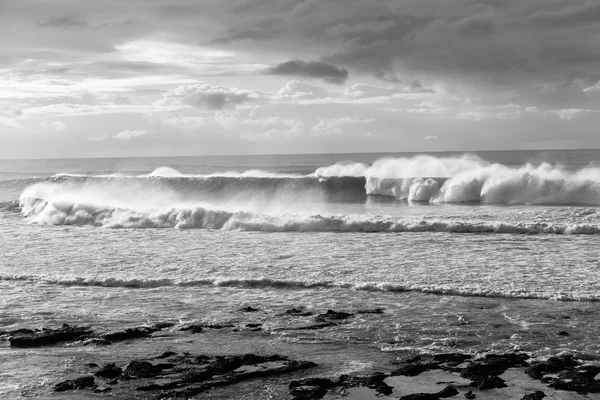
[{"x": 196, "y": 217}]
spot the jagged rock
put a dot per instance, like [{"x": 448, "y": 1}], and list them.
[
  {"x": 130, "y": 333},
  {"x": 413, "y": 369},
  {"x": 335, "y": 315},
  {"x": 493, "y": 382},
  {"x": 451, "y": 358},
  {"x": 537, "y": 395},
  {"x": 470, "y": 395},
  {"x": 493, "y": 365},
  {"x": 141, "y": 369},
  {"x": 554, "y": 364},
  {"x": 310, "y": 327},
  {"x": 448, "y": 391},
  {"x": 193, "y": 328},
  {"x": 109, "y": 371},
  {"x": 46, "y": 337},
  {"x": 249, "y": 309},
  {"x": 371, "y": 311},
  {"x": 374, "y": 381},
  {"x": 163, "y": 325},
  {"x": 310, "y": 388},
  {"x": 83, "y": 382}
]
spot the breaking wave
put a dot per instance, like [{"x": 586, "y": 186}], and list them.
[
  {"x": 269, "y": 201},
  {"x": 81, "y": 214},
  {"x": 261, "y": 282}
]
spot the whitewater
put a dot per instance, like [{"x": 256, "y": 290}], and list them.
[{"x": 507, "y": 241}]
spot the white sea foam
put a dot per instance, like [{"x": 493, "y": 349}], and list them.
[
  {"x": 471, "y": 179},
  {"x": 62, "y": 212},
  {"x": 263, "y": 282}
]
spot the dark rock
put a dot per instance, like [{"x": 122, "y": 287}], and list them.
[
  {"x": 311, "y": 327},
  {"x": 448, "y": 391},
  {"x": 307, "y": 392},
  {"x": 46, "y": 337},
  {"x": 83, "y": 382},
  {"x": 413, "y": 369},
  {"x": 493, "y": 382},
  {"x": 374, "y": 381},
  {"x": 194, "y": 376},
  {"x": 253, "y": 325},
  {"x": 563, "y": 333},
  {"x": 163, "y": 325},
  {"x": 141, "y": 369},
  {"x": 371, "y": 311},
  {"x": 554, "y": 364},
  {"x": 92, "y": 365},
  {"x": 249, "y": 309},
  {"x": 298, "y": 312},
  {"x": 166, "y": 354},
  {"x": 130, "y": 333},
  {"x": 192, "y": 328},
  {"x": 97, "y": 341},
  {"x": 335, "y": 315},
  {"x": 470, "y": 395},
  {"x": 109, "y": 371},
  {"x": 22, "y": 331},
  {"x": 420, "y": 396},
  {"x": 217, "y": 326},
  {"x": 493, "y": 365},
  {"x": 537, "y": 395},
  {"x": 451, "y": 358}
]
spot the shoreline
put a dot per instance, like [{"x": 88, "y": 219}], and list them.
[{"x": 137, "y": 369}]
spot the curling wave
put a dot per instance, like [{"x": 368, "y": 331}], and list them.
[{"x": 418, "y": 179}]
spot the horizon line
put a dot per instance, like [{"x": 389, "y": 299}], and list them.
[{"x": 296, "y": 154}]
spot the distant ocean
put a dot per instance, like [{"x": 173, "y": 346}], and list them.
[{"x": 469, "y": 252}]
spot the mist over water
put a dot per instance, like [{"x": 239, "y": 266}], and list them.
[{"x": 344, "y": 197}]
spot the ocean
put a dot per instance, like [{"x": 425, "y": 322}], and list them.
[{"x": 486, "y": 251}]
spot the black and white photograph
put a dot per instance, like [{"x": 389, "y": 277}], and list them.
[{"x": 299, "y": 199}]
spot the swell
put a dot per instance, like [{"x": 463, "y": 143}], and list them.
[
  {"x": 268, "y": 283},
  {"x": 196, "y": 217}
]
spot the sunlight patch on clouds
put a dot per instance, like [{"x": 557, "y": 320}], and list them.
[{"x": 130, "y": 134}]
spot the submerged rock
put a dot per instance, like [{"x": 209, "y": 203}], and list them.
[
  {"x": 83, "y": 382},
  {"x": 185, "y": 375},
  {"x": 46, "y": 337},
  {"x": 109, "y": 371},
  {"x": 335, "y": 315},
  {"x": 130, "y": 333},
  {"x": 448, "y": 391},
  {"x": 298, "y": 312},
  {"x": 249, "y": 309},
  {"x": 537, "y": 395}
]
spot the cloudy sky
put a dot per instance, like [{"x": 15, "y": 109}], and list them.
[{"x": 81, "y": 78}]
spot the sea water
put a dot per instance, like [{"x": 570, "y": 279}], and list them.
[{"x": 491, "y": 251}]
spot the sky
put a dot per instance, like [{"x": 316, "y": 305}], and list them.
[{"x": 89, "y": 78}]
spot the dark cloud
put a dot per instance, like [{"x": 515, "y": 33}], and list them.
[
  {"x": 212, "y": 97},
  {"x": 311, "y": 69}
]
